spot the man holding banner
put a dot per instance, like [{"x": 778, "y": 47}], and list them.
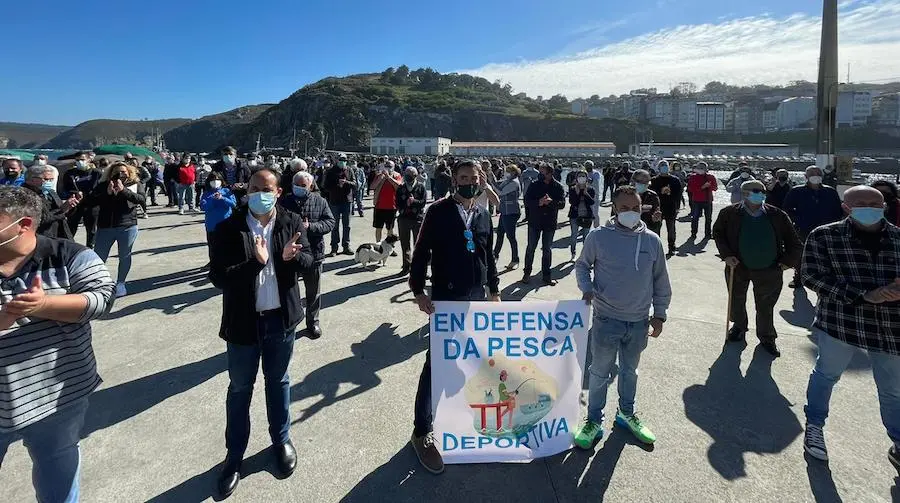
[
  {"x": 455, "y": 237},
  {"x": 621, "y": 322}
]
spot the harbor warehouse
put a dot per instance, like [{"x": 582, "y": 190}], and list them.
[{"x": 410, "y": 146}]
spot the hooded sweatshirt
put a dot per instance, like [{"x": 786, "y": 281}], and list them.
[{"x": 613, "y": 250}]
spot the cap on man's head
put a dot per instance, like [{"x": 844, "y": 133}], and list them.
[
  {"x": 343, "y": 157},
  {"x": 749, "y": 185}
]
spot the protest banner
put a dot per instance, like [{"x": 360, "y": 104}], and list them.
[{"x": 506, "y": 378}]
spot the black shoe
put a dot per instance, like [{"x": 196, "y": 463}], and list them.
[
  {"x": 693, "y": 235},
  {"x": 404, "y": 271},
  {"x": 314, "y": 332},
  {"x": 736, "y": 334},
  {"x": 894, "y": 458},
  {"x": 347, "y": 251},
  {"x": 285, "y": 458},
  {"x": 394, "y": 253},
  {"x": 794, "y": 284},
  {"x": 771, "y": 348},
  {"x": 230, "y": 476},
  {"x": 333, "y": 252},
  {"x": 526, "y": 278},
  {"x": 549, "y": 281}
]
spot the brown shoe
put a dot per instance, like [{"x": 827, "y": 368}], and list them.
[{"x": 427, "y": 453}]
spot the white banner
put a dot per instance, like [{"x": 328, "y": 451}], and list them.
[{"x": 506, "y": 378}]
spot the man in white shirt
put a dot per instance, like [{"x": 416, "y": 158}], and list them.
[{"x": 255, "y": 256}]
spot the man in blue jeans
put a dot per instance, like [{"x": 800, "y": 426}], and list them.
[
  {"x": 339, "y": 184},
  {"x": 852, "y": 267},
  {"x": 46, "y": 388},
  {"x": 255, "y": 257},
  {"x": 622, "y": 272}
]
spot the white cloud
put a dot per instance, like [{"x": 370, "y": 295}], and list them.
[{"x": 750, "y": 50}]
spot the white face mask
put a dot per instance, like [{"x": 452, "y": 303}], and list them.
[
  {"x": 215, "y": 184},
  {"x": 17, "y": 236},
  {"x": 629, "y": 219},
  {"x": 252, "y": 164},
  {"x": 815, "y": 180},
  {"x": 41, "y": 162},
  {"x": 745, "y": 175},
  {"x": 582, "y": 180}
]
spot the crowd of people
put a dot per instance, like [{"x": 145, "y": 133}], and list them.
[{"x": 267, "y": 221}]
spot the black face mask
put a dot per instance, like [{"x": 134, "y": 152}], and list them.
[
  {"x": 469, "y": 191},
  {"x": 11, "y": 173},
  {"x": 782, "y": 178}
]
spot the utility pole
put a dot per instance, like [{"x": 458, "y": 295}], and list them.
[{"x": 827, "y": 91}]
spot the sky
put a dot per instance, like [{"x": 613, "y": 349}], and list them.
[{"x": 67, "y": 62}]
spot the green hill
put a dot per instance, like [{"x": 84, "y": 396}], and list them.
[
  {"x": 102, "y": 131},
  {"x": 343, "y": 113},
  {"x": 16, "y": 135},
  {"x": 208, "y": 133}
]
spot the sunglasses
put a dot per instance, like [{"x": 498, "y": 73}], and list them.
[{"x": 470, "y": 243}]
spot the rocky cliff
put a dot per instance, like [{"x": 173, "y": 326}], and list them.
[{"x": 208, "y": 133}]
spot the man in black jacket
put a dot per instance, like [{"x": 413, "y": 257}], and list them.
[
  {"x": 411, "y": 207},
  {"x": 318, "y": 221},
  {"x": 256, "y": 255},
  {"x": 236, "y": 177},
  {"x": 545, "y": 197},
  {"x": 39, "y": 179},
  {"x": 456, "y": 239},
  {"x": 80, "y": 181},
  {"x": 670, "y": 190},
  {"x": 339, "y": 182}
]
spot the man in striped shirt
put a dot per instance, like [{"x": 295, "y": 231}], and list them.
[{"x": 50, "y": 290}]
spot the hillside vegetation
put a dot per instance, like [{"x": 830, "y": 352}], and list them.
[
  {"x": 16, "y": 135},
  {"x": 103, "y": 131}
]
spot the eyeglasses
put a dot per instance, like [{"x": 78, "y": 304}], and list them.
[{"x": 470, "y": 244}]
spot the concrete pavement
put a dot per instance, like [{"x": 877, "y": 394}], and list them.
[{"x": 729, "y": 422}]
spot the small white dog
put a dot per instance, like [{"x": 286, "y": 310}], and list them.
[{"x": 371, "y": 253}]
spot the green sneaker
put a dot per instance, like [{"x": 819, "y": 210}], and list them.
[
  {"x": 588, "y": 433},
  {"x": 634, "y": 424}
]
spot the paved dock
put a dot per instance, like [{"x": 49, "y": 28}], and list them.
[{"x": 729, "y": 421}]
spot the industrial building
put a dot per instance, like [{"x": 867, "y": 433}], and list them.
[
  {"x": 533, "y": 149},
  {"x": 731, "y": 149},
  {"x": 410, "y": 146}
]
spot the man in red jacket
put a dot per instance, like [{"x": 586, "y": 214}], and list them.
[
  {"x": 701, "y": 186},
  {"x": 187, "y": 174}
]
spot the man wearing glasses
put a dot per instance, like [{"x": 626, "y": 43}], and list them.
[
  {"x": 757, "y": 241},
  {"x": 455, "y": 237}
]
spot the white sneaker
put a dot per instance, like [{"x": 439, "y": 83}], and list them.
[
  {"x": 181, "y": 211},
  {"x": 120, "y": 290},
  {"x": 814, "y": 442}
]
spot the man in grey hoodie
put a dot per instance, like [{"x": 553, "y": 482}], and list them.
[{"x": 622, "y": 272}]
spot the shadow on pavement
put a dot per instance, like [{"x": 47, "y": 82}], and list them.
[
  {"x": 340, "y": 264},
  {"x": 402, "y": 479},
  {"x": 196, "y": 275},
  {"x": 113, "y": 405},
  {"x": 820, "y": 481},
  {"x": 518, "y": 290},
  {"x": 802, "y": 313},
  {"x": 380, "y": 350},
  {"x": 173, "y": 226},
  {"x": 341, "y": 295},
  {"x": 742, "y": 413},
  {"x": 172, "y": 304},
  {"x": 585, "y": 475},
  {"x": 202, "y": 487},
  {"x": 168, "y": 249},
  {"x": 692, "y": 247}
]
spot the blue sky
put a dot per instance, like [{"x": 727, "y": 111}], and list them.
[{"x": 75, "y": 61}]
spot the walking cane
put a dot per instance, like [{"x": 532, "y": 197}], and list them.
[{"x": 728, "y": 306}]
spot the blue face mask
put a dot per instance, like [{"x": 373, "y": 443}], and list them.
[
  {"x": 640, "y": 187},
  {"x": 663, "y": 169},
  {"x": 261, "y": 203},
  {"x": 48, "y": 186},
  {"x": 756, "y": 198},
  {"x": 867, "y": 216},
  {"x": 300, "y": 192}
]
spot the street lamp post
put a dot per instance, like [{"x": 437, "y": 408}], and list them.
[{"x": 828, "y": 79}]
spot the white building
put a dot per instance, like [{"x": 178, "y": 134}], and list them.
[
  {"x": 733, "y": 149},
  {"x": 661, "y": 111},
  {"x": 770, "y": 116},
  {"x": 410, "y": 146},
  {"x": 598, "y": 112},
  {"x": 711, "y": 116},
  {"x": 533, "y": 149},
  {"x": 795, "y": 113},
  {"x": 687, "y": 115},
  {"x": 579, "y": 106},
  {"x": 854, "y": 108},
  {"x": 886, "y": 110}
]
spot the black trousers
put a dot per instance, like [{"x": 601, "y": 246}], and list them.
[
  {"x": 767, "y": 285},
  {"x": 151, "y": 191},
  {"x": 545, "y": 236},
  {"x": 409, "y": 232},
  {"x": 422, "y": 424},
  {"x": 312, "y": 281},
  {"x": 706, "y": 209},
  {"x": 89, "y": 217},
  {"x": 670, "y": 229}
]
